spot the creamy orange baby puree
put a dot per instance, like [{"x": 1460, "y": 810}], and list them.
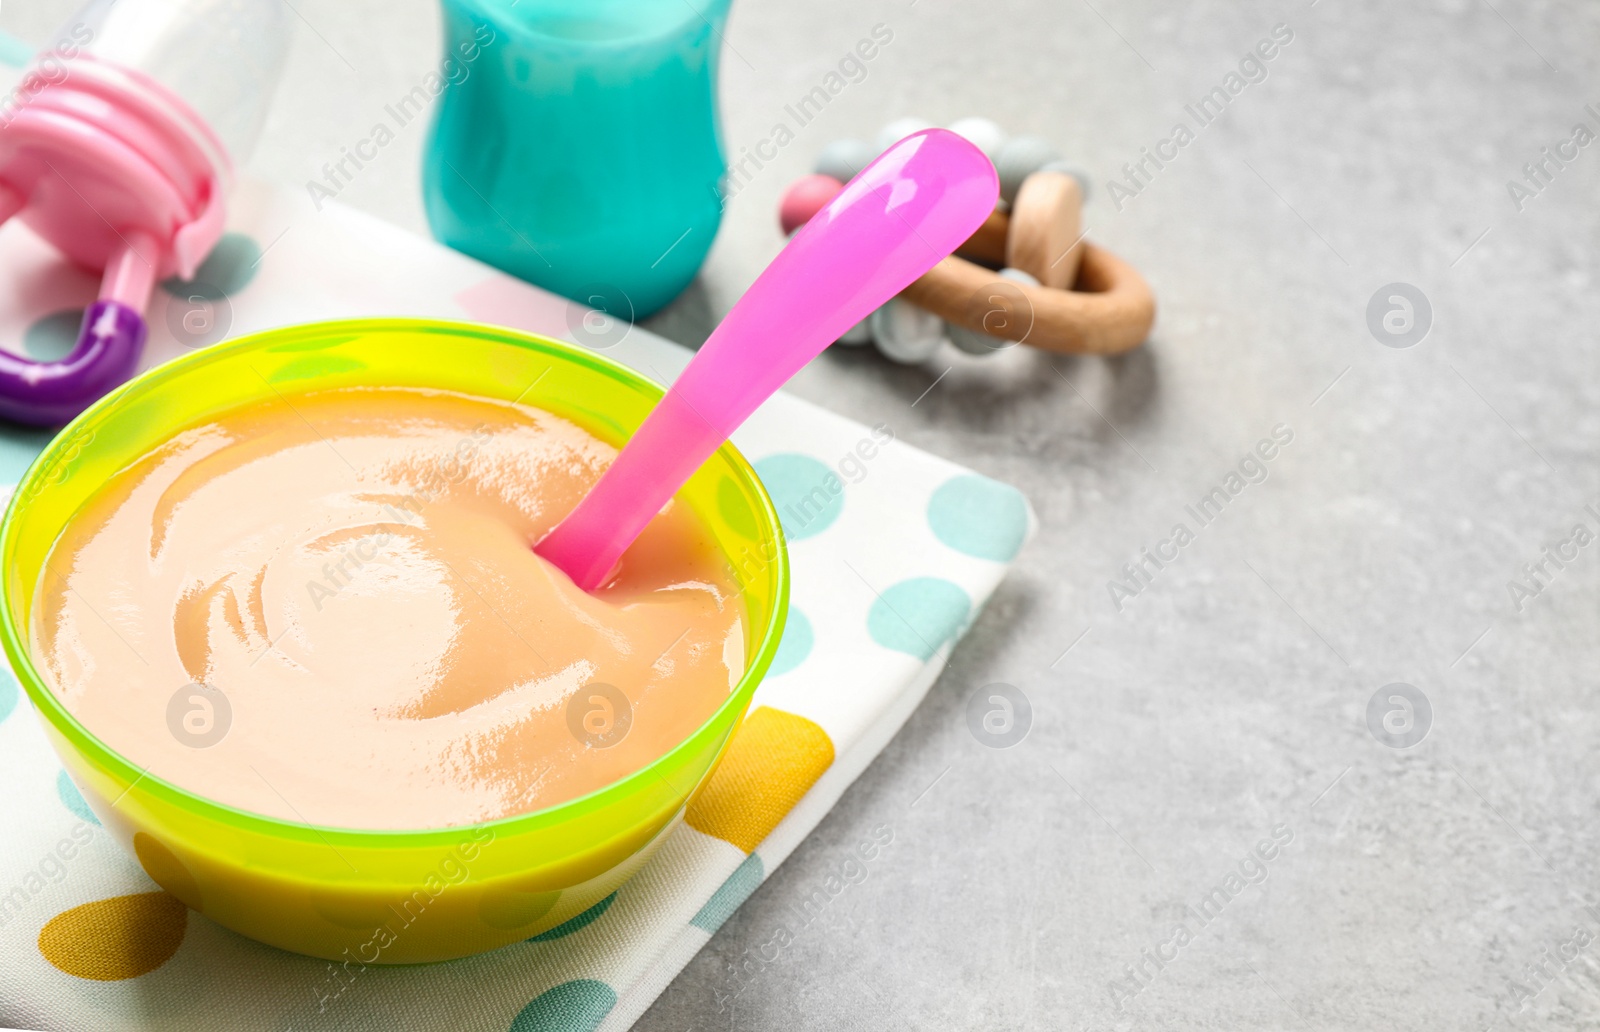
[{"x": 326, "y": 609}]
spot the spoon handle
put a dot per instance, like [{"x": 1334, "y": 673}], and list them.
[{"x": 905, "y": 212}]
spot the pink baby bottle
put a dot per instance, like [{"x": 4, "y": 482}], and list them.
[{"x": 118, "y": 147}]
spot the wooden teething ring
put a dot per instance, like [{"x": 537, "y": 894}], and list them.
[{"x": 1108, "y": 310}]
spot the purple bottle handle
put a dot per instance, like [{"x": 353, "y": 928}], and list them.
[
  {"x": 110, "y": 339},
  {"x": 51, "y": 393}
]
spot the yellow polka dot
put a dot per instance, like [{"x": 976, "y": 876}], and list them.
[
  {"x": 117, "y": 938},
  {"x": 774, "y": 759}
]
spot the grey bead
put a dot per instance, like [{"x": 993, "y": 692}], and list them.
[
  {"x": 842, "y": 159},
  {"x": 905, "y": 333},
  {"x": 1020, "y": 158},
  {"x": 1018, "y": 276},
  {"x": 896, "y": 131},
  {"x": 856, "y": 335},
  {"x": 1072, "y": 170},
  {"x": 976, "y": 343},
  {"x": 982, "y": 133}
]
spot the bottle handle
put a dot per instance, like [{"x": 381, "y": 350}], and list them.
[{"x": 110, "y": 339}]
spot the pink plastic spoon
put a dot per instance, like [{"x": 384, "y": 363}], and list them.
[{"x": 906, "y": 211}]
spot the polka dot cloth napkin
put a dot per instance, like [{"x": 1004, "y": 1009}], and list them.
[{"x": 893, "y": 550}]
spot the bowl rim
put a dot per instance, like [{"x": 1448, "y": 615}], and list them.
[{"x": 12, "y": 635}]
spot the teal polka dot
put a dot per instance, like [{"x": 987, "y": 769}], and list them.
[
  {"x": 53, "y": 336},
  {"x": 795, "y": 646},
  {"x": 809, "y": 496},
  {"x": 578, "y": 923},
  {"x": 8, "y": 691},
  {"x": 745, "y": 879},
  {"x": 979, "y": 517},
  {"x": 72, "y": 799},
  {"x": 917, "y": 616},
  {"x": 228, "y": 269},
  {"x": 18, "y": 448},
  {"x": 576, "y": 1006},
  {"x": 13, "y": 51}
]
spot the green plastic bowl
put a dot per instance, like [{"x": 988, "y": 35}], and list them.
[{"x": 383, "y": 897}]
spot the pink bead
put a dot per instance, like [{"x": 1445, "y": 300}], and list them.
[{"x": 805, "y": 197}]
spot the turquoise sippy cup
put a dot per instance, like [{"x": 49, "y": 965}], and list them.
[{"x": 580, "y": 147}]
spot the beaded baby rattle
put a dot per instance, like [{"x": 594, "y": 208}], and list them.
[{"x": 1053, "y": 289}]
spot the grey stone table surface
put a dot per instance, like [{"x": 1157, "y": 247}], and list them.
[{"x": 1226, "y": 699}]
